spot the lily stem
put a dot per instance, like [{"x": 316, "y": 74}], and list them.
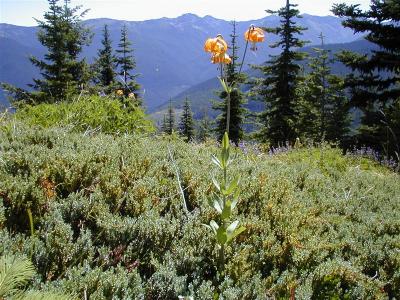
[
  {"x": 221, "y": 260},
  {"x": 228, "y": 110}
]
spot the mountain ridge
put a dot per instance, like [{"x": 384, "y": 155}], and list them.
[{"x": 168, "y": 51}]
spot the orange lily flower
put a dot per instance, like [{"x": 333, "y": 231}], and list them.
[
  {"x": 216, "y": 45},
  {"x": 221, "y": 59},
  {"x": 254, "y": 35}
]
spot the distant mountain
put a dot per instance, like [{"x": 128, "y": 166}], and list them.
[
  {"x": 169, "y": 51},
  {"x": 15, "y": 65},
  {"x": 203, "y": 94}
]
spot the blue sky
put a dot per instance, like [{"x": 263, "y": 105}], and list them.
[{"x": 22, "y": 12}]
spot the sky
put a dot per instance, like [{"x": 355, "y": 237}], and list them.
[{"x": 23, "y": 12}]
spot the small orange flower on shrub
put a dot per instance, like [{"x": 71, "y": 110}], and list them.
[{"x": 120, "y": 92}]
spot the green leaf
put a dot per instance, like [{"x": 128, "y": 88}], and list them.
[
  {"x": 216, "y": 161},
  {"x": 234, "y": 202},
  {"x": 216, "y": 184},
  {"x": 217, "y": 206},
  {"x": 225, "y": 141},
  {"x": 237, "y": 232},
  {"x": 214, "y": 226},
  {"x": 224, "y": 158},
  {"x": 236, "y": 194},
  {"x": 221, "y": 158},
  {"x": 231, "y": 228},
  {"x": 232, "y": 186},
  {"x": 225, "y": 151},
  {"x": 226, "y": 210},
  {"x": 222, "y": 236},
  {"x": 232, "y": 231},
  {"x": 223, "y": 84}
]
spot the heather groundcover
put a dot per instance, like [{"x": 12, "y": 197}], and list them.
[{"x": 108, "y": 219}]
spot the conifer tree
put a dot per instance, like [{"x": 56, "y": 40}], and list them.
[
  {"x": 164, "y": 124},
  {"x": 169, "y": 120},
  {"x": 374, "y": 81},
  {"x": 204, "y": 128},
  {"x": 237, "y": 100},
  {"x": 322, "y": 107},
  {"x": 106, "y": 62},
  {"x": 337, "y": 119},
  {"x": 64, "y": 36},
  {"x": 186, "y": 126},
  {"x": 391, "y": 123},
  {"x": 126, "y": 64},
  {"x": 277, "y": 88}
]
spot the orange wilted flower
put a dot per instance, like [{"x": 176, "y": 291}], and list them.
[
  {"x": 221, "y": 59},
  {"x": 120, "y": 92},
  {"x": 254, "y": 35},
  {"x": 216, "y": 45}
]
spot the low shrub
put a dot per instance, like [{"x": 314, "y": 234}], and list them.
[
  {"x": 108, "y": 115},
  {"x": 109, "y": 221}
]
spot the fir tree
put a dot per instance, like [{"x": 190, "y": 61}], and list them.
[
  {"x": 374, "y": 81},
  {"x": 168, "y": 125},
  {"x": 281, "y": 75},
  {"x": 391, "y": 123},
  {"x": 106, "y": 62},
  {"x": 186, "y": 126},
  {"x": 62, "y": 33},
  {"x": 204, "y": 128},
  {"x": 237, "y": 111},
  {"x": 322, "y": 105},
  {"x": 164, "y": 124},
  {"x": 126, "y": 64},
  {"x": 337, "y": 118}
]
